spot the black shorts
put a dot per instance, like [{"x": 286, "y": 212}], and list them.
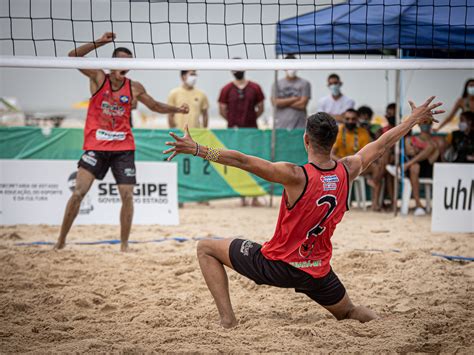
[
  {"x": 426, "y": 169},
  {"x": 121, "y": 162},
  {"x": 248, "y": 260}
]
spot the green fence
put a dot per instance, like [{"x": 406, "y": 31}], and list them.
[{"x": 198, "y": 179}]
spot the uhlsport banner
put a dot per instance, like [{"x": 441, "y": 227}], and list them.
[
  {"x": 453, "y": 195},
  {"x": 36, "y": 192}
]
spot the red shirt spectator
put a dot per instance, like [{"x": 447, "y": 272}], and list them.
[{"x": 241, "y": 103}]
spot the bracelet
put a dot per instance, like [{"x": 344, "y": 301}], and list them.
[
  {"x": 212, "y": 154},
  {"x": 198, "y": 148}
]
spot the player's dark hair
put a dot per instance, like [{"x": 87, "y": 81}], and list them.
[
  {"x": 121, "y": 50},
  {"x": 365, "y": 110},
  {"x": 468, "y": 81},
  {"x": 334, "y": 76},
  {"x": 322, "y": 131}
]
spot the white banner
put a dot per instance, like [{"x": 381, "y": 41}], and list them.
[
  {"x": 453, "y": 194},
  {"x": 36, "y": 192}
]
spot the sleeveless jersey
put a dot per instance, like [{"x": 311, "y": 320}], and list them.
[
  {"x": 303, "y": 233},
  {"x": 108, "y": 119}
]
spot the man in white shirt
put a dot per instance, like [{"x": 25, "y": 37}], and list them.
[{"x": 336, "y": 103}]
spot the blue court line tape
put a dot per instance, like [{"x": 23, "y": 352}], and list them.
[{"x": 185, "y": 239}]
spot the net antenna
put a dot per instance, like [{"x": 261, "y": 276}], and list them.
[{"x": 206, "y": 34}]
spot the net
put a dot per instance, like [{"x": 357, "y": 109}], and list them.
[{"x": 193, "y": 30}]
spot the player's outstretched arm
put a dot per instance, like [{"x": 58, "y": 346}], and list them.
[
  {"x": 154, "y": 105},
  {"x": 357, "y": 163},
  {"x": 85, "y": 49},
  {"x": 283, "y": 173}
]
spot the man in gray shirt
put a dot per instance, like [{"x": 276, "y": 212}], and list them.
[{"x": 291, "y": 97}]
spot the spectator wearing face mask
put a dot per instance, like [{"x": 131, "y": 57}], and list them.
[
  {"x": 461, "y": 142},
  {"x": 390, "y": 116},
  {"x": 336, "y": 103},
  {"x": 350, "y": 138},
  {"x": 241, "y": 102},
  {"x": 464, "y": 103},
  {"x": 194, "y": 98},
  {"x": 365, "y": 121},
  {"x": 290, "y": 97}
]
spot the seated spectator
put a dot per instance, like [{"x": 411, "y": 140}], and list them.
[
  {"x": 421, "y": 153},
  {"x": 350, "y": 139},
  {"x": 336, "y": 103},
  {"x": 290, "y": 98},
  {"x": 194, "y": 98},
  {"x": 461, "y": 142},
  {"x": 365, "y": 120}
]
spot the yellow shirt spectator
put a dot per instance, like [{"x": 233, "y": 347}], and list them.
[
  {"x": 198, "y": 105},
  {"x": 350, "y": 142}
]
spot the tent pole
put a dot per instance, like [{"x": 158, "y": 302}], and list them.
[
  {"x": 273, "y": 143},
  {"x": 397, "y": 146}
]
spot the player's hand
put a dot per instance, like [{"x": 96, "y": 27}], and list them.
[
  {"x": 184, "y": 108},
  {"x": 181, "y": 145},
  {"x": 107, "y": 37},
  {"x": 425, "y": 112}
]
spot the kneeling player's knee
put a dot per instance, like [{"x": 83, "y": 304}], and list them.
[{"x": 204, "y": 248}]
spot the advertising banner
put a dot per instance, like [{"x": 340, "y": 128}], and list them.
[
  {"x": 36, "y": 192},
  {"x": 453, "y": 194}
]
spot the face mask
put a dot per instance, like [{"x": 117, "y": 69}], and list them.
[
  {"x": 335, "y": 89},
  {"x": 462, "y": 126},
  {"x": 365, "y": 124},
  {"x": 191, "y": 80},
  {"x": 425, "y": 128},
  {"x": 391, "y": 120},
  {"x": 350, "y": 126},
  {"x": 470, "y": 90},
  {"x": 291, "y": 73},
  {"x": 239, "y": 75}
]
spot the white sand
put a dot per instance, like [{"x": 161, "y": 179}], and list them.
[{"x": 94, "y": 298}]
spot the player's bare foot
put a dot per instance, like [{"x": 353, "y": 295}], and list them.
[
  {"x": 228, "y": 323},
  {"x": 124, "y": 248},
  {"x": 60, "y": 244}
]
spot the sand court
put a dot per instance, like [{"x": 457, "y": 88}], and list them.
[{"x": 94, "y": 298}]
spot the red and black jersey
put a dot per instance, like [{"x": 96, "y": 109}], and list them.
[
  {"x": 108, "y": 119},
  {"x": 303, "y": 233}
]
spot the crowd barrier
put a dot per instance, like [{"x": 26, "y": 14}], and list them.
[{"x": 198, "y": 179}]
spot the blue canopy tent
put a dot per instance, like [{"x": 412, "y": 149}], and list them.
[
  {"x": 423, "y": 28},
  {"x": 431, "y": 27}
]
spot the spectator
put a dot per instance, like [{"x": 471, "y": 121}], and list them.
[
  {"x": 350, "y": 138},
  {"x": 194, "y": 98},
  {"x": 365, "y": 120},
  {"x": 461, "y": 142},
  {"x": 291, "y": 98},
  {"x": 241, "y": 103},
  {"x": 390, "y": 116},
  {"x": 464, "y": 103},
  {"x": 336, "y": 103},
  {"x": 421, "y": 153}
]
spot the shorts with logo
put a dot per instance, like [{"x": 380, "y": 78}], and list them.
[
  {"x": 122, "y": 164},
  {"x": 248, "y": 260}
]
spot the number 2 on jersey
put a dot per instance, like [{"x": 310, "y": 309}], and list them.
[{"x": 306, "y": 249}]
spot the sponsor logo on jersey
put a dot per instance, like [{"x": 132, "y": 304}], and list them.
[
  {"x": 329, "y": 182},
  {"x": 112, "y": 109},
  {"x": 124, "y": 99},
  {"x": 103, "y": 135}
]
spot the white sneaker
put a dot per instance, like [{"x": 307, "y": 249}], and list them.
[{"x": 420, "y": 211}]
